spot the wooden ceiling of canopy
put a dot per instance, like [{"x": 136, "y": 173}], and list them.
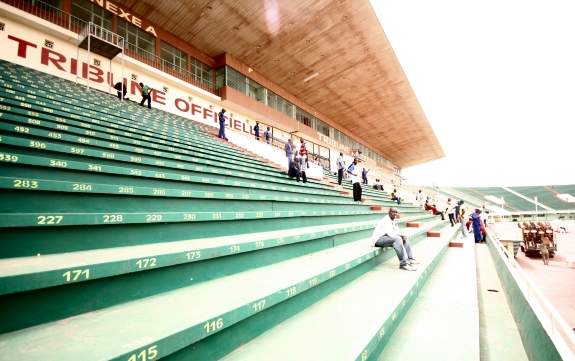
[{"x": 361, "y": 85}]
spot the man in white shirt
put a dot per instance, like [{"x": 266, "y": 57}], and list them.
[
  {"x": 340, "y": 166},
  {"x": 420, "y": 198},
  {"x": 386, "y": 234},
  {"x": 450, "y": 212}
]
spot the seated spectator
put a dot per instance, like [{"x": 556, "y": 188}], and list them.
[
  {"x": 377, "y": 185},
  {"x": 295, "y": 171},
  {"x": 434, "y": 210},
  {"x": 387, "y": 234},
  {"x": 394, "y": 197}
]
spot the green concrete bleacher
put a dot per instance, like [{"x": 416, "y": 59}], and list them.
[
  {"x": 133, "y": 234},
  {"x": 544, "y": 196},
  {"x": 512, "y": 201}
]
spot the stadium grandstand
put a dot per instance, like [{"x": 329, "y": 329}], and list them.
[{"x": 137, "y": 234}]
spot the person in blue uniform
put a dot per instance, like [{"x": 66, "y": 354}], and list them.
[
  {"x": 222, "y": 119},
  {"x": 477, "y": 225},
  {"x": 257, "y": 131}
]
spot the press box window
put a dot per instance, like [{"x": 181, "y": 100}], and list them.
[
  {"x": 137, "y": 38},
  {"x": 89, "y": 12},
  {"x": 173, "y": 55}
]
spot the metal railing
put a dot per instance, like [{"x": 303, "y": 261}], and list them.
[
  {"x": 560, "y": 333},
  {"x": 99, "y": 32},
  {"x": 72, "y": 23}
]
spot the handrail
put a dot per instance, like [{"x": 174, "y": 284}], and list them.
[
  {"x": 72, "y": 23},
  {"x": 529, "y": 289}
]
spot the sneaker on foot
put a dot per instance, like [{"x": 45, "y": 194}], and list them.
[
  {"x": 408, "y": 267},
  {"x": 413, "y": 261}
]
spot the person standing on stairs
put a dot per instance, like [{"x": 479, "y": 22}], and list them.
[
  {"x": 289, "y": 151},
  {"x": 340, "y": 167},
  {"x": 257, "y": 131},
  {"x": 386, "y": 234},
  {"x": 463, "y": 219},
  {"x": 353, "y": 170},
  {"x": 268, "y": 135},
  {"x": 222, "y": 119},
  {"x": 364, "y": 176},
  {"x": 302, "y": 155},
  {"x": 476, "y": 217},
  {"x": 450, "y": 212},
  {"x": 146, "y": 95}
]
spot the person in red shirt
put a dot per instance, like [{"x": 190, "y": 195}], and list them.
[{"x": 434, "y": 210}]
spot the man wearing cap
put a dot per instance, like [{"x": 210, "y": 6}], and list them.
[
  {"x": 222, "y": 118},
  {"x": 386, "y": 234}
]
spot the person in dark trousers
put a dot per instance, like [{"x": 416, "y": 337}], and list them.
[
  {"x": 122, "y": 91},
  {"x": 353, "y": 170},
  {"x": 395, "y": 197},
  {"x": 222, "y": 119},
  {"x": 295, "y": 170},
  {"x": 146, "y": 95},
  {"x": 340, "y": 167},
  {"x": 476, "y": 217},
  {"x": 257, "y": 131}
]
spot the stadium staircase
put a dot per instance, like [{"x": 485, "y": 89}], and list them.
[{"x": 132, "y": 234}]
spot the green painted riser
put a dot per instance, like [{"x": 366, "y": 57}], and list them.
[
  {"x": 30, "y": 241},
  {"x": 33, "y": 277},
  {"x": 71, "y": 133},
  {"x": 35, "y": 307},
  {"x": 54, "y": 130},
  {"x": 106, "y": 110},
  {"x": 39, "y": 158},
  {"x": 166, "y": 169},
  {"x": 31, "y": 111},
  {"x": 199, "y": 169},
  {"x": 103, "y": 182},
  {"x": 226, "y": 341},
  {"x": 379, "y": 341},
  {"x": 26, "y": 201}
]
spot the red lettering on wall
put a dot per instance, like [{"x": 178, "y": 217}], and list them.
[
  {"x": 237, "y": 124},
  {"x": 196, "y": 109},
  {"x": 159, "y": 97},
  {"x": 73, "y": 66},
  {"x": 206, "y": 111},
  {"x": 22, "y": 46},
  {"x": 135, "y": 88},
  {"x": 56, "y": 60},
  {"x": 94, "y": 72},
  {"x": 182, "y": 105}
]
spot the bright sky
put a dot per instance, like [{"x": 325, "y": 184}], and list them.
[{"x": 496, "y": 80}]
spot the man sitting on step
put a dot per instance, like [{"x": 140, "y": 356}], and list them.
[{"x": 386, "y": 234}]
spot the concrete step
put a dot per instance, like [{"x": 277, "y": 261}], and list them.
[
  {"x": 353, "y": 322},
  {"x": 444, "y": 319}
]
